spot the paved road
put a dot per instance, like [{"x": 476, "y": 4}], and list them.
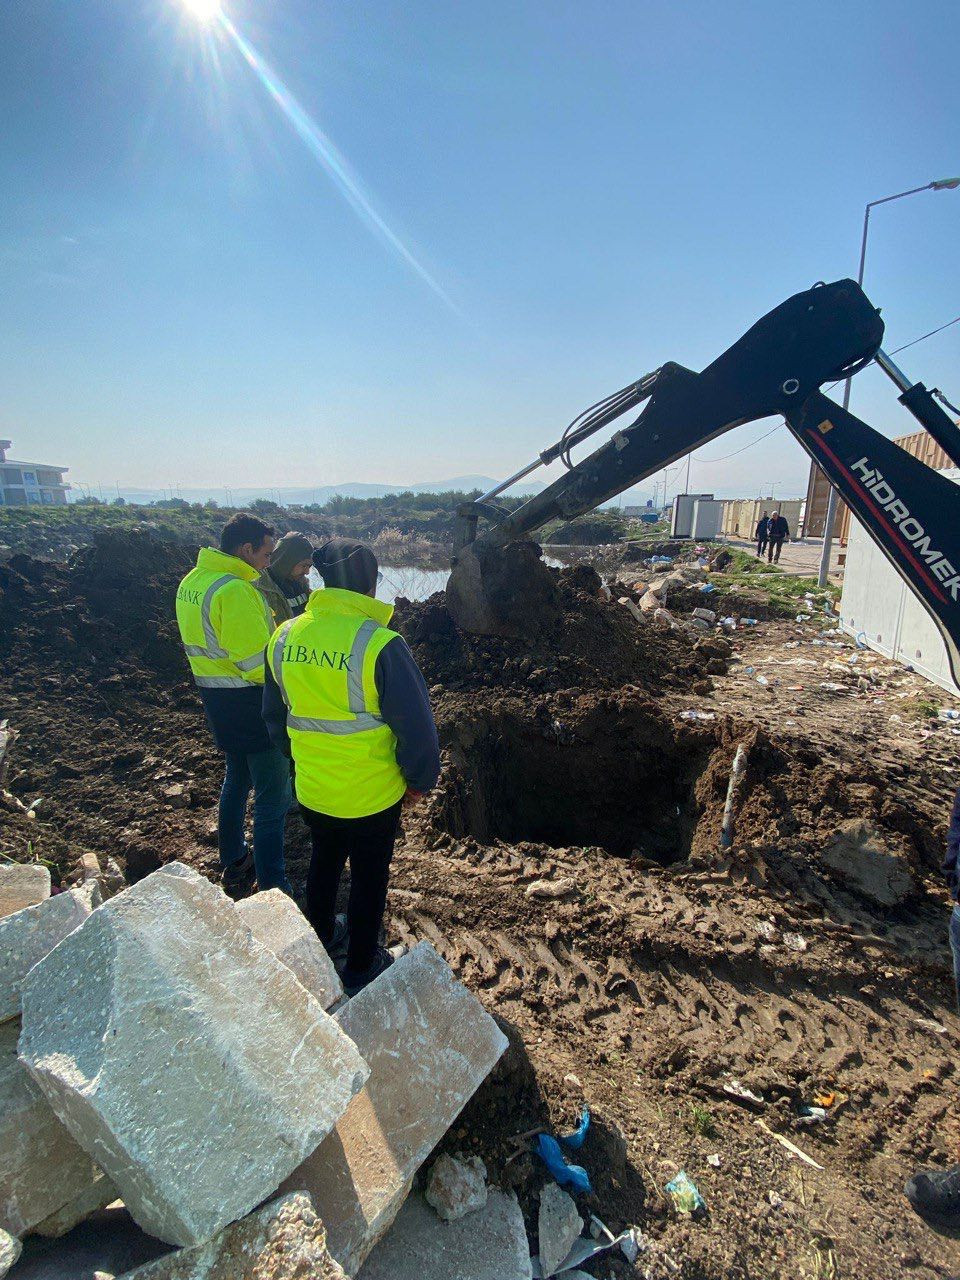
[{"x": 801, "y": 557}]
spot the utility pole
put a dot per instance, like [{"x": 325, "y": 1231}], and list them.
[{"x": 939, "y": 184}]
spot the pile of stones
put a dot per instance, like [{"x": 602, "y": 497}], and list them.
[{"x": 193, "y": 1064}]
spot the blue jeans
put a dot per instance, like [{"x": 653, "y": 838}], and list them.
[
  {"x": 268, "y": 774},
  {"x": 955, "y": 948}
]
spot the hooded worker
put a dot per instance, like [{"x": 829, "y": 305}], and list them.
[
  {"x": 284, "y": 581},
  {"x": 344, "y": 696}
]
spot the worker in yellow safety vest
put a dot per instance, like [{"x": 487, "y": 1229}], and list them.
[
  {"x": 343, "y": 694},
  {"x": 225, "y": 624}
]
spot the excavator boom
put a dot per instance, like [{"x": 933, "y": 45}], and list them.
[{"x": 817, "y": 337}]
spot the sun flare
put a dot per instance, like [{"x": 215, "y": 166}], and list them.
[{"x": 203, "y": 10}]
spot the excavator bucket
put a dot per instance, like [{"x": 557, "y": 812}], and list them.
[{"x": 500, "y": 591}]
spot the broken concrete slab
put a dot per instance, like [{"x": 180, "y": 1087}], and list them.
[
  {"x": 22, "y": 884},
  {"x": 285, "y": 1240},
  {"x": 456, "y": 1187},
  {"x": 97, "y": 1195},
  {"x": 488, "y": 1245},
  {"x": 41, "y": 1167},
  {"x": 183, "y": 1055},
  {"x": 558, "y": 1226},
  {"x": 429, "y": 1044},
  {"x": 10, "y": 1250},
  {"x": 28, "y": 935},
  {"x": 868, "y": 864},
  {"x": 275, "y": 920}
]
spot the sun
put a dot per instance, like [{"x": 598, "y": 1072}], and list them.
[{"x": 203, "y": 10}]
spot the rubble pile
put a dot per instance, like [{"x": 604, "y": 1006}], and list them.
[{"x": 196, "y": 1060}]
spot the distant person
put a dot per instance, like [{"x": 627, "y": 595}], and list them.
[
  {"x": 284, "y": 582},
  {"x": 777, "y": 530},
  {"x": 225, "y": 625},
  {"x": 935, "y": 1193},
  {"x": 760, "y": 536},
  {"x": 345, "y": 697}
]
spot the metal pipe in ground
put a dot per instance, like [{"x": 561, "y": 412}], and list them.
[{"x": 726, "y": 830}]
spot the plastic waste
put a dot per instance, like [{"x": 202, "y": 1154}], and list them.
[
  {"x": 575, "y": 1140},
  {"x": 748, "y": 622},
  {"x": 698, "y": 715},
  {"x": 945, "y": 713},
  {"x": 803, "y": 617},
  {"x": 811, "y": 1115},
  {"x": 861, "y": 640},
  {"x": 762, "y": 680},
  {"x": 706, "y": 587},
  {"x": 684, "y": 1195},
  {"x": 548, "y": 1148},
  {"x": 728, "y": 624}
]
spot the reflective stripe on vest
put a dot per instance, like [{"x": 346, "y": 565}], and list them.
[
  {"x": 363, "y": 720},
  {"x": 213, "y": 648}
]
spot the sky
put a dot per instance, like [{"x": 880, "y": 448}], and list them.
[{"x": 426, "y": 235}]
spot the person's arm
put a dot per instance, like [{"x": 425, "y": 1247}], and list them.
[
  {"x": 949, "y": 867},
  {"x": 274, "y": 712},
  {"x": 405, "y": 706},
  {"x": 242, "y": 623}
]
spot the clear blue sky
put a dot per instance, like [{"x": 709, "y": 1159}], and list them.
[{"x": 186, "y": 296}]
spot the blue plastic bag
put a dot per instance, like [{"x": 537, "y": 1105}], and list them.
[
  {"x": 564, "y": 1174},
  {"x": 575, "y": 1140}
]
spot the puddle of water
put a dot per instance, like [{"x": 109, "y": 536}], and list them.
[{"x": 411, "y": 582}]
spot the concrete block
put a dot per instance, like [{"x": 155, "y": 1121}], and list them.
[
  {"x": 22, "y": 884},
  {"x": 488, "y": 1245},
  {"x": 41, "y": 1167},
  {"x": 183, "y": 1055},
  {"x": 10, "y": 1249},
  {"x": 456, "y": 1187},
  {"x": 97, "y": 1195},
  {"x": 558, "y": 1226},
  {"x": 429, "y": 1044},
  {"x": 285, "y": 1240},
  {"x": 28, "y": 935},
  {"x": 275, "y": 920}
]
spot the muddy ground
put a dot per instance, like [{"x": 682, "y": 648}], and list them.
[{"x": 807, "y": 960}]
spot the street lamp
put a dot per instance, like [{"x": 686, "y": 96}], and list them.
[{"x": 939, "y": 184}]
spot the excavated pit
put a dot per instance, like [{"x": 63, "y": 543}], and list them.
[{"x": 623, "y": 778}]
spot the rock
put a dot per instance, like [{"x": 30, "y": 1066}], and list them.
[
  {"x": 558, "y": 1226},
  {"x": 10, "y": 1249},
  {"x": 27, "y": 936},
  {"x": 649, "y": 601},
  {"x": 41, "y": 1167},
  {"x": 22, "y": 884},
  {"x": 97, "y": 1195},
  {"x": 630, "y": 607},
  {"x": 551, "y": 888},
  {"x": 285, "y": 1240},
  {"x": 862, "y": 856},
  {"x": 429, "y": 1044},
  {"x": 182, "y": 1053},
  {"x": 457, "y": 1187},
  {"x": 277, "y": 922},
  {"x": 488, "y": 1245}
]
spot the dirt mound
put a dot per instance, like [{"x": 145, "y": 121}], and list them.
[{"x": 583, "y": 640}]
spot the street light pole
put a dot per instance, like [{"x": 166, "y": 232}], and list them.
[{"x": 940, "y": 184}]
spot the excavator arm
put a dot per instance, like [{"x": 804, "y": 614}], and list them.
[{"x": 817, "y": 337}]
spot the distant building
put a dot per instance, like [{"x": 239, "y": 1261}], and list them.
[
  {"x": 23, "y": 483},
  {"x": 741, "y": 515}
]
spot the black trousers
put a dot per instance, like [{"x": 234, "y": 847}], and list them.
[
  {"x": 761, "y": 546},
  {"x": 776, "y": 546},
  {"x": 367, "y": 843}
]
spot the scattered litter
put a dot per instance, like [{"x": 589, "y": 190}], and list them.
[
  {"x": 825, "y": 1099},
  {"x": 775, "y": 1199},
  {"x": 575, "y": 1140},
  {"x": 548, "y": 1148},
  {"x": 706, "y": 587},
  {"x": 795, "y": 942},
  {"x": 762, "y": 680},
  {"x": 572, "y": 1081},
  {"x": 698, "y": 715},
  {"x": 944, "y": 713},
  {"x": 767, "y": 930},
  {"x": 788, "y": 1145},
  {"x": 928, "y": 1024},
  {"x": 861, "y": 640},
  {"x": 633, "y": 1243},
  {"x": 714, "y": 1160},
  {"x": 831, "y": 686},
  {"x": 748, "y": 622},
  {"x": 811, "y": 1115},
  {"x": 803, "y": 617},
  {"x": 583, "y": 1250},
  {"x": 736, "y": 1090},
  {"x": 728, "y": 624},
  {"x": 684, "y": 1195}
]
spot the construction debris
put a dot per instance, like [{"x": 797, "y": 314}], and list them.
[
  {"x": 488, "y": 1245},
  {"x": 558, "y": 1226},
  {"x": 428, "y": 1043},
  {"x": 41, "y": 1167},
  {"x": 10, "y": 1248},
  {"x": 285, "y": 1240},
  {"x": 456, "y": 1187},
  {"x": 28, "y": 935},
  {"x": 275, "y": 920},
  {"x": 22, "y": 884},
  {"x": 216, "y": 1060}
]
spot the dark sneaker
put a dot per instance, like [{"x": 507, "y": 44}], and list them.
[
  {"x": 355, "y": 980},
  {"x": 240, "y": 877},
  {"x": 935, "y": 1195},
  {"x": 336, "y": 948}
]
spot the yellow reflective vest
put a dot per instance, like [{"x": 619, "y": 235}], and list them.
[
  {"x": 224, "y": 622},
  {"x": 324, "y": 663}
]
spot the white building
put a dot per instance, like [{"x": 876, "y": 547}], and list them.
[{"x": 23, "y": 483}]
